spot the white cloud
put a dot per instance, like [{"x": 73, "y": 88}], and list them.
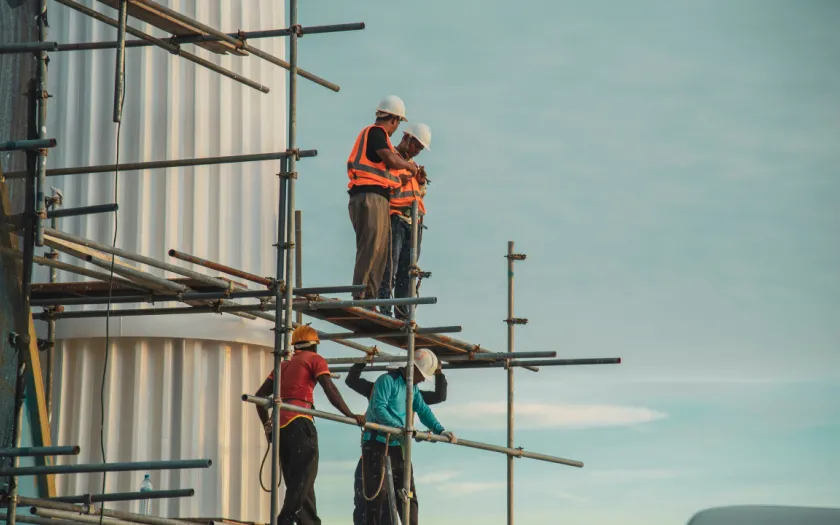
[
  {"x": 539, "y": 415},
  {"x": 570, "y": 497},
  {"x": 440, "y": 476},
  {"x": 469, "y": 487}
]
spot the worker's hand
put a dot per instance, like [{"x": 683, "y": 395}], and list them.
[
  {"x": 450, "y": 436},
  {"x": 438, "y": 370},
  {"x": 421, "y": 175},
  {"x": 360, "y": 420},
  {"x": 413, "y": 169}
]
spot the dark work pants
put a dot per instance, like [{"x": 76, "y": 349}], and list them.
[
  {"x": 369, "y": 215},
  {"x": 299, "y": 463},
  {"x": 376, "y": 512},
  {"x": 396, "y": 272}
]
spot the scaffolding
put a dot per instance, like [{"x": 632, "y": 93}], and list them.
[{"x": 281, "y": 299}]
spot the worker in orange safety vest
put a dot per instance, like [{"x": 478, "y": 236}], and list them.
[
  {"x": 416, "y": 138},
  {"x": 375, "y": 169}
]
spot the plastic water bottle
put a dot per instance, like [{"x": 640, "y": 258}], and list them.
[{"x": 146, "y": 504}]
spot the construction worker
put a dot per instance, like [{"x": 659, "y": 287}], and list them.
[
  {"x": 371, "y": 168},
  {"x": 416, "y": 138},
  {"x": 298, "y": 437},
  {"x": 387, "y": 407},
  {"x": 364, "y": 387}
]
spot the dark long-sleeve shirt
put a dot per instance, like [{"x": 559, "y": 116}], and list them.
[{"x": 364, "y": 387}]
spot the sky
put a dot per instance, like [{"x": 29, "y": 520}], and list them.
[{"x": 670, "y": 168}]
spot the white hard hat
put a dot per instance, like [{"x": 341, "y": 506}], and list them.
[
  {"x": 425, "y": 360},
  {"x": 392, "y": 105},
  {"x": 421, "y": 132}
]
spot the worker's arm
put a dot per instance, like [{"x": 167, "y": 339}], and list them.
[
  {"x": 427, "y": 417},
  {"x": 383, "y": 389},
  {"x": 265, "y": 390},
  {"x": 393, "y": 161},
  {"x": 356, "y": 383},
  {"x": 439, "y": 395},
  {"x": 334, "y": 396}
]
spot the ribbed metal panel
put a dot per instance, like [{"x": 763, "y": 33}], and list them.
[
  {"x": 176, "y": 396},
  {"x": 173, "y": 110},
  {"x": 167, "y": 399}
]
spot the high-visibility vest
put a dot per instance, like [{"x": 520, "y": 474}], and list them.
[
  {"x": 363, "y": 172},
  {"x": 402, "y": 197}
]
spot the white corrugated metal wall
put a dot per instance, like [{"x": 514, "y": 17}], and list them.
[
  {"x": 168, "y": 399},
  {"x": 175, "y": 395}
]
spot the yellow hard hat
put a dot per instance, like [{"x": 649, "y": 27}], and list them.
[{"x": 305, "y": 334}]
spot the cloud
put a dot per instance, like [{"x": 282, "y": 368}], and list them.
[
  {"x": 469, "y": 487},
  {"x": 438, "y": 477},
  {"x": 539, "y": 415},
  {"x": 570, "y": 497}
]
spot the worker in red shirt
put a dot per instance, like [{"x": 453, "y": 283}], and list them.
[{"x": 298, "y": 437}]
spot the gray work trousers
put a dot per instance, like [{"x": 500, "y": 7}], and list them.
[{"x": 369, "y": 213}]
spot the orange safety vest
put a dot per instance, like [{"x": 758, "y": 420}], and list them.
[
  {"x": 363, "y": 172},
  {"x": 402, "y": 197}
]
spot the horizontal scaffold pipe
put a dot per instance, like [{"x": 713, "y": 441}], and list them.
[
  {"x": 477, "y": 358},
  {"x": 160, "y": 164},
  {"x": 142, "y": 259},
  {"x": 465, "y": 365},
  {"x": 27, "y": 47},
  {"x": 79, "y": 518},
  {"x": 24, "y": 145},
  {"x": 150, "y": 298},
  {"x": 332, "y": 305},
  {"x": 128, "y": 516},
  {"x": 126, "y": 496},
  {"x": 106, "y": 467},
  {"x": 418, "y": 436},
  {"x": 79, "y": 270},
  {"x": 82, "y": 210},
  {"x": 192, "y": 39},
  {"x": 39, "y": 451},
  {"x": 174, "y": 49},
  {"x": 365, "y": 335},
  {"x": 35, "y": 520},
  {"x": 244, "y": 46}
]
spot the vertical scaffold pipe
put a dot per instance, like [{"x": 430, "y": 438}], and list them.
[
  {"x": 40, "y": 204},
  {"x": 510, "y": 406},
  {"x": 278, "y": 344},
  {"x": 409, "y": 370}
]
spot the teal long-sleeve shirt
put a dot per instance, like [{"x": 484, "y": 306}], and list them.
[{"x": 387, "y": 406}]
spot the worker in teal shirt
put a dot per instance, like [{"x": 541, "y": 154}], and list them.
[{"x": 387, "y": 407}]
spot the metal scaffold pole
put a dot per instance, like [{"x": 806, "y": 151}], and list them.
[
  {"x": 20, "y": 386},
  {"x": 511, "y": 321},
  {"x": 409, "y": 370},
  {"x": 43, "y": 59}
]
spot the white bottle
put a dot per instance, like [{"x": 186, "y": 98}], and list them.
[{"x": 146, "y": 504}]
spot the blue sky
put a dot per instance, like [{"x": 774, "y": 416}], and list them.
[{"x": 671, "y": 170}]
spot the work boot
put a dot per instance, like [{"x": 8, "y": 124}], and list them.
[{"x": 385, "y": 310}]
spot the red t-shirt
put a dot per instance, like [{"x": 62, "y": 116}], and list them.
[{"x": 299, "y": 376}]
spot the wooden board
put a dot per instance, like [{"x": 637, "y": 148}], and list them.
[
  {"x": 362, "y": 320},
  {"x": 146, "y": 12}
]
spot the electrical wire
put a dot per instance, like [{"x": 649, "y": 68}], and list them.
[{"x": 108, "y": 311}]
